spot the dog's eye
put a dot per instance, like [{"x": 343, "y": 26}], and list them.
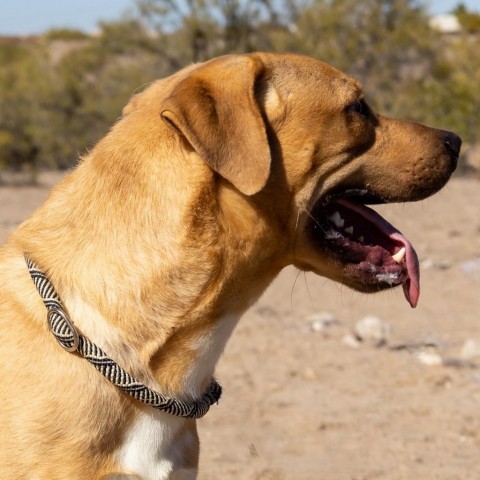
[{"x": 359, "y": 107}]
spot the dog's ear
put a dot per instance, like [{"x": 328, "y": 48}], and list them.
[{"x": 215, "y": 109}]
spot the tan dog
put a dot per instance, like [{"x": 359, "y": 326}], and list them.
[{"x": 214, "y": 180}]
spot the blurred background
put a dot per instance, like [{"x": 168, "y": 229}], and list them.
[
  {"x": 67, "y": 68},
  {"x": 320, "y": 383}
]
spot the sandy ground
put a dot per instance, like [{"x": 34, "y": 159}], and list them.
[{"x": 303, "y": 400}]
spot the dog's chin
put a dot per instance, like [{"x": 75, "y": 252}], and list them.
[{"x": 372, "y": 254}]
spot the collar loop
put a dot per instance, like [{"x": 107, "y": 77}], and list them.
[{"x": 63, "y": 329}]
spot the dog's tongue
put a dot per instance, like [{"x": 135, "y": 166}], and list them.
[{"x": 411, "y": 286}]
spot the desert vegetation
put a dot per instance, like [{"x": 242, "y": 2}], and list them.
[{"x": 61, "y": 91}]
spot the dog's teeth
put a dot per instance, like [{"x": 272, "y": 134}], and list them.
[
  {"x": 400, "y": 255},
  {"x": 349, "y": 230},
  {"x": 361, "y": 239},
  {"x": 337, "y": 220}
]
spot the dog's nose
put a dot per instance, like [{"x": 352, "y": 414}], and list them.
[{"x": 452, "y": 144}]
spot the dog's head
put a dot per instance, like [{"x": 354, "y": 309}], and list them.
[{"x": 298, "y": 143}]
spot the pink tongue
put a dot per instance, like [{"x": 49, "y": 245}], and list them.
[{"x": 411, "y": 286}]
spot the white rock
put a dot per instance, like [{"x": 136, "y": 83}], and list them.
[
  {"x": 470, "y": 349},
  {"x": 319, "y": 322},
  {"x": 351, "y": 341},
  {"x": 372, "y": 329},
  {"x": 471, "y": 268},
  {"x": 431, "y": 359}
]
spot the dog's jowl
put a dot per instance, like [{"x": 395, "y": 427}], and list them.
[{"x": 119, "y": 293}]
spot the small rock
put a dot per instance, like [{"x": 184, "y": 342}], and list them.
[
  {"x": 309, "y": 374},
  {"x": 471, "y": 268},
  {"x": 426, "y": 264},
  {"x": 431, "y": 359},
  {"x": 470, "y": 349},
  {"x": 372, "y": 329},
  {"x": 351, "y": 341},
  {"x": 319, "y": 322}
]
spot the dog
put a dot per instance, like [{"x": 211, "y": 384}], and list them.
[{"x": 212, "y": 181}]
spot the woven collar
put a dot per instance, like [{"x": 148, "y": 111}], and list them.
[{"x": 72, "y": 341}]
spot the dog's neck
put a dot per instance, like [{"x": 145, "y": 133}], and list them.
[{"x": 160, "y": 292}]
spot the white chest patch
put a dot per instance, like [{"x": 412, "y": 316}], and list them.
[{"x": 153, "y": 450}]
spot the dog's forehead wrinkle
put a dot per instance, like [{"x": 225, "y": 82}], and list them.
[{"x": 320, "y": 92}]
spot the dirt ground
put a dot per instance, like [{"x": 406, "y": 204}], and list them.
[{"x": 304, "y": 400}]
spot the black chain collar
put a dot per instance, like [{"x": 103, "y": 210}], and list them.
[{"x": 68, "y": 337}]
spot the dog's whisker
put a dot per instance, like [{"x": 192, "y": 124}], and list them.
[
  {"x": 299, "y": 212},
  {"x": 308, "y": 290},
  {"x": 296, "y": 232},
  {"x": 311, "y": 216},
  {"x": 292, "y": 290},
  {"x": 317, "y": 223},
  {"x": 141, "y": 88}
]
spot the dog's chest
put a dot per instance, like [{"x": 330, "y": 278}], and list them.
[
  {"x": 157, "y": 446},
  {"x": 154, "y": 448}
]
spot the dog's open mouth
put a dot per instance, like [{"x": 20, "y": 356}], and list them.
[{"x": 375, "y": 254}]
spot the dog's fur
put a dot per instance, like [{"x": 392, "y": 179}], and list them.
[{"x": 167, "y": 231}]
